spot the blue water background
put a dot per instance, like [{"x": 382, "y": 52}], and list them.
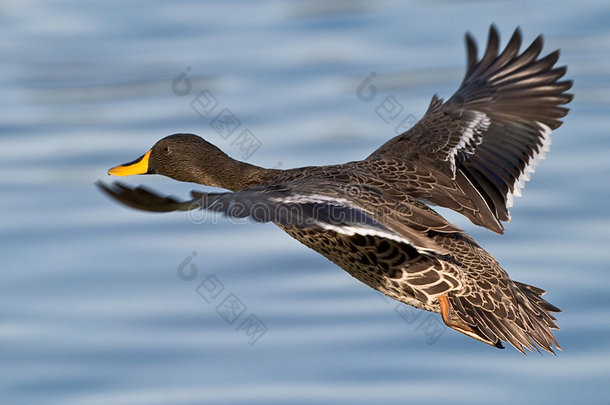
[{"x": 92, "y": 310}]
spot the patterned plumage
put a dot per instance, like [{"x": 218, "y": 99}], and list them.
[
  {"x": 493, "y": 131},
  {"x": 471, "y": 154}
]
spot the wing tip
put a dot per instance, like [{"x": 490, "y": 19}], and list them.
[
  {"x": 471, "y": 52},
  {"x": 142, "y": 198}
]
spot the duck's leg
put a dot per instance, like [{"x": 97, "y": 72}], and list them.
[{"x": 455, "y": 323}]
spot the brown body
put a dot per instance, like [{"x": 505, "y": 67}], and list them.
[{"x": 471, "y": 154}]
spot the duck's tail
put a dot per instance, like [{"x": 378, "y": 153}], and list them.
[
  {"x": 537, "y": 318},
  {"x": 526, "y": 322}
]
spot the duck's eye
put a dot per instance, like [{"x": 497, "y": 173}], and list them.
[{"x": 166, "y": 150}]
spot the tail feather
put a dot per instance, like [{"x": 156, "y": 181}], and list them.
[{"x": 530, "y": 328}]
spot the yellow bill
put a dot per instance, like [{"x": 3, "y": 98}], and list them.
[{"x": 138, "y": 166}]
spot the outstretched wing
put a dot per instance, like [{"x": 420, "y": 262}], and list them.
[
  {"x": 489, "y": 136},
  {"x": 282, "y": 205}
]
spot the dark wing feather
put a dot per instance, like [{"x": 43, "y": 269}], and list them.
[
  {"x": 285, "y": 206},
  {"x": 144, "y": 199},
  {"x": 491, "y": 133}
]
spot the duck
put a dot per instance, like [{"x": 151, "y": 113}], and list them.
[{"x": 373, "y": 217}]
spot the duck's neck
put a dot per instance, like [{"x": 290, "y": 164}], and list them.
[
  {"x": 231, "y": 174},
  {"x": 238, "y": 175}
]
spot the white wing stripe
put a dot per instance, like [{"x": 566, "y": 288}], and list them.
[
  {"x": 475, "y": 127},
  {"x": 538, "y": 155}
]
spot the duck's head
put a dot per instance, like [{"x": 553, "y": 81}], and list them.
[{"x": 186, "y": 157}]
